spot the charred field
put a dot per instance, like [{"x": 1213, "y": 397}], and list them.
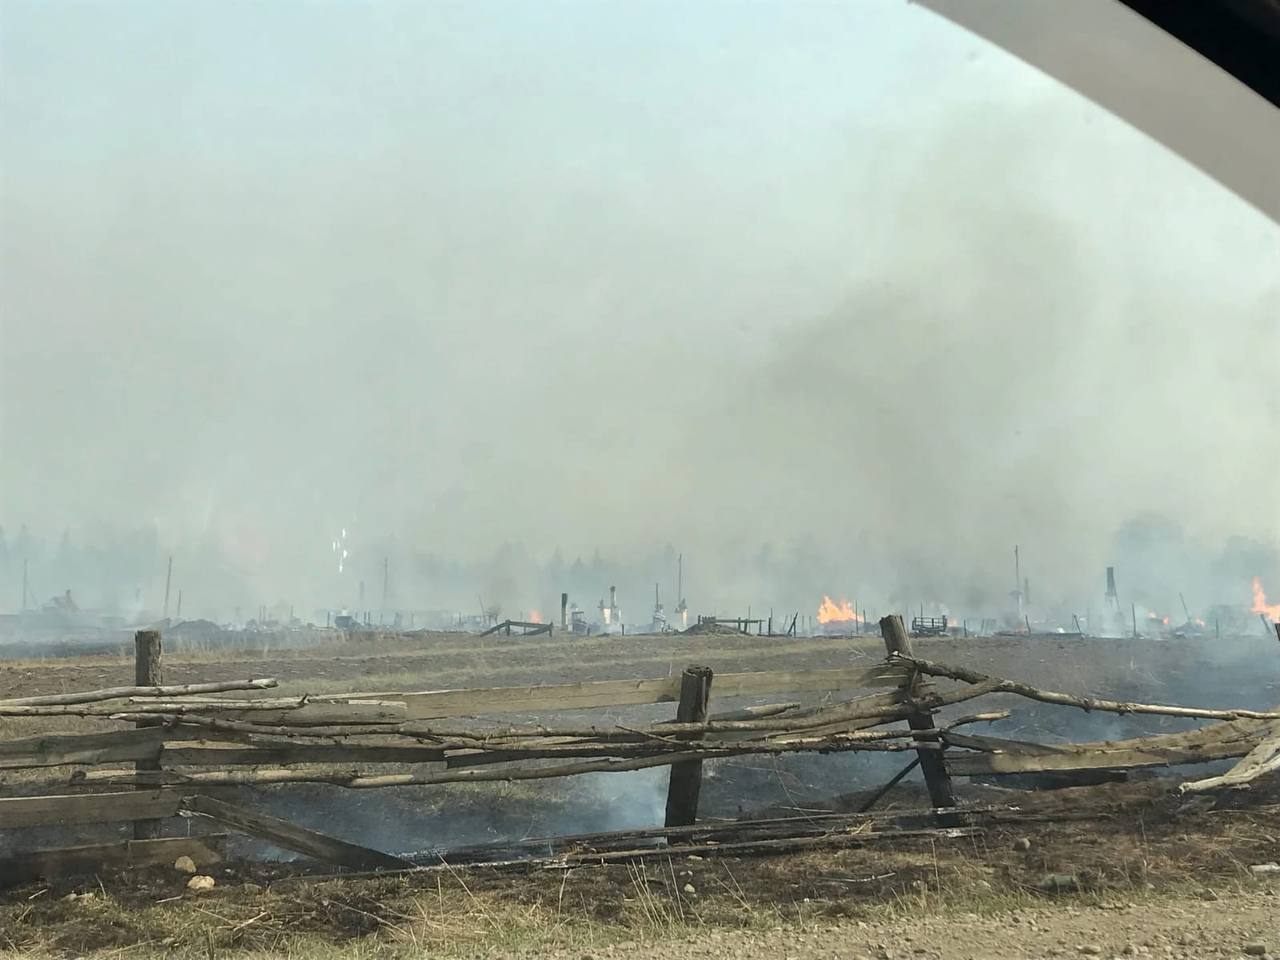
[{"x": 1131, "y": 841}]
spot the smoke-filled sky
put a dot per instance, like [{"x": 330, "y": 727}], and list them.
[{"x": 612, "y": 276}]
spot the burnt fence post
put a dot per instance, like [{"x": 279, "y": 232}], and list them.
[
  {"x": 936, "y": 778},
  {"x": 147, "y": 673},
  {"x": 686, "y": 775}
]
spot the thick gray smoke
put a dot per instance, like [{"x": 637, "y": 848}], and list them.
[{"x": 828, "y": 298}]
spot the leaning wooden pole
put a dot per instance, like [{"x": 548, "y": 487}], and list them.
[
  {"x": 147, "y": 673},
  {"x": 292, "y": 837},
  {"x": 122, "y": 693},
  {"x": 686, "y": 775},
  {"x": 936, "y": 778}
]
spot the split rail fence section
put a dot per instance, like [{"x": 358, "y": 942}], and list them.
[{"x": 177, "y": 744}]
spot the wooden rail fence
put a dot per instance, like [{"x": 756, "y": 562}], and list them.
[{"x": 178, "y": 742}]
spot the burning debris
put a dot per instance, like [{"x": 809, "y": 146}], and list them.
[
  {"x": 1269, "y": 610},
  {"x": 830, "y": 612},
  {"x": 839, "y": 619}
]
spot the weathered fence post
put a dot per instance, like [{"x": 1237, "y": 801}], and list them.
[
  {"x": 936, "y": 778},
  {"x": 147, "y": 673},
  {"x": 686, "y": 776}
]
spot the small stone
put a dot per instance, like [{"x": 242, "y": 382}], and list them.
[
  {"x": 1255, "y": 949},
  {"x": 1262, "y": 869},
  {"x": 184, "y": 865},
  {"x": 200, "y": 884},
  {"x": 1022, "y": 844},
  {"x": 1129, "y": 950},
  {"x": 1208, "y": 895},
  {"x": 689, "y": 888},
  {"x": 69, "y": 898},
  {"x": 168, "y": 941},
  {"x": 1059, "y": 882},
  {"x": 1089, "y": 950}
]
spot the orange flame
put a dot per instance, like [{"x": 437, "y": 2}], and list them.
[
  {"x": 535, "y": 616},
  {"x": 1260, "y": 605},
  {"x": 829, "y": 612}
]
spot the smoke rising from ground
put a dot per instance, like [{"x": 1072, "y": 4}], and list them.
[{"x": 830, "y": 299}]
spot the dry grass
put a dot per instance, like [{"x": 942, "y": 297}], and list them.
[
  {"x": 383, "y": 918},
  {"x": 469, "y": 914}
]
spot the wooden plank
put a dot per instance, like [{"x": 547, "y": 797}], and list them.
[
  {"x": 60, "y": 749},
  {"x": 537, "y": 699},
  {"x": 91, "y": 858},
  {"x": 1263, "y": 759},
  {"x": 68, "y": 809},
  {"x": 208, "y": 753},
  {"x": 433, "y": 704},
  {"x": 1013, "y": 757},
  {"x": 808, "y": 681},
  {"x": 1241, "y": 732},
  {"x": 292, "y": 837},
  {"x": 980, "y": 764}
]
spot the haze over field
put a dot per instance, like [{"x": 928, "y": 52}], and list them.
[{"x": 829, "y": 297}]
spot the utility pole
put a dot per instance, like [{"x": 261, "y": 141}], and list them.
[
  {"x": 178, "y": 613},
  {"x": 24, "y": 584},
  {"x": 682, "y": 608},
  {"x": 168, "y": 579},
  {"x": 385, "y": 567},
  {"x": 1017, "y": 579}
]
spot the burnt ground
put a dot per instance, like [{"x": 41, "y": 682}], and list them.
[{"x": 1099, "y": 857}]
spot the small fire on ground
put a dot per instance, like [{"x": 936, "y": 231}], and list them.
[
  {"x": 1270, "y": 610},
  {"x": 831, "y": 612}
]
